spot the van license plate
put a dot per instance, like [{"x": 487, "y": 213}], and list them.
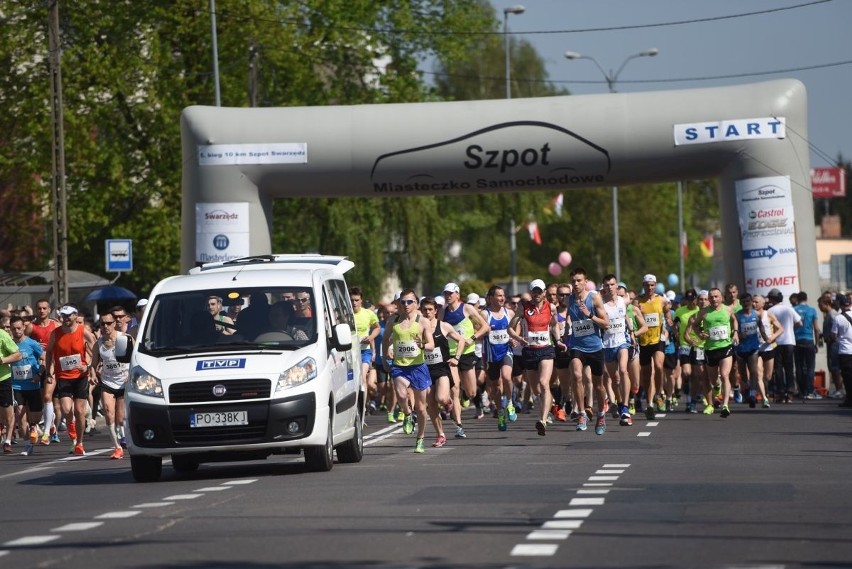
[{"x": 218, "y": 419}]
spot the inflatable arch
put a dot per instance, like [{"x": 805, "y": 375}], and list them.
[{"x": 752, "y": 138}]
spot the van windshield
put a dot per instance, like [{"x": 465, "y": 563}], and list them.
[{"x": 219, "y": 319}]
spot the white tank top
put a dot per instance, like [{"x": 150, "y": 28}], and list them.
[{"x": 113, "y": 373}]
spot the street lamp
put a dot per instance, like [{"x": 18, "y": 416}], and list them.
[
  {"x": 513, "y": 247},
  {"x": 517, "y": 9},
  {"x": 611, "y": 78}
]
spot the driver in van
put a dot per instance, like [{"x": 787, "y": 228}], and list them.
[{"x": 214, "y": 306}]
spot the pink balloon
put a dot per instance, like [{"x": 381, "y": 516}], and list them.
[
  {"x": 554, "y": 269},
  {"x": 590, "y": 286},
  {"x": 564, "y": 258}
]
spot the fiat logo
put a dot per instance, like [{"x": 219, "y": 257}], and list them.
[{"x": 219, "y": 390}]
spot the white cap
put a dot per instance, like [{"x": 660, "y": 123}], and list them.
[
  {"x": 439, "y": 300},
  {"x": 451, "y": 287},
  {"x": 538, "y": 283},
  {"x": 481, "y": 301},
  {"x": 473, "y": 298},
  {"x": 703, "y": 292},
  {"x": 649, "y": 278},
  {"x": 142, "y": 302},
  {"x": 670, "y": 294},
  {"x": 68, "y": 310}
]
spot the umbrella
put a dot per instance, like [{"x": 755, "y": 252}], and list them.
[{"x": 109, "y": 293}]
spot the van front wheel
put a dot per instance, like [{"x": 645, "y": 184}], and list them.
[
  {"x": 321, "y": 458},
  {"x": 353, "y": 449}
]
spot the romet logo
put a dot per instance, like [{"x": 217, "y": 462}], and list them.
[
  {"x": 505, "y": 156},
  {"x": 220, "y": 363}
]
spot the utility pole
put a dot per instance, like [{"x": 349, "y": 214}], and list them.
[
  {"x": 60, "y": 214},
  {"x": 253, "y": 62}
]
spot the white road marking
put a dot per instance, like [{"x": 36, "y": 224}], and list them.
[
  {"x": 644, "y": 434},
  {"x": 595, "y": 491},
  {"x": 602, "y": 478},
  {"x": 652, "y": 423},
  {"x": 78, "y": 526},
  {"x": 616, "y": 465},
  {"x": 610, "y": 471},
  {"x": 120, "y": 515},
  {"x": 562, "y": 524},
  {"x": 212, "y": 489},
  {"x": 31, "y": 540},
  {"x": 534, "y": 550},
  {"x": 549, "y": 534},
  {"x": 153, "y": 504},
  {"x": 183, "y": 497},
  {"x": 586, "y": 501},
  {"x": 597, "y": 483},
  {"x": 238, "y": 482},
  {"x": 660, "y": 415},
  {"x": 575, "y": 513}
]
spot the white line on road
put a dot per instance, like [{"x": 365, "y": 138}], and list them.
[
  {"x": 238, "y": 482},
  {"x": 549, "y": 534},
  {"x": 562, "y": 524},
  {"x": 586, "y": 501},
  {"x": 534, "y": 550},
  {"x": 30, "y": 540},
  {"x": 154, "y": 504},
  {"x": 644, "y": 434},
  {"x": 78, "y": 526},
  {"x": 575, "y": 513},
  {"x": 120, "y": 515}
]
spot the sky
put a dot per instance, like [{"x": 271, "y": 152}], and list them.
[{"x": 804, "y": 43}]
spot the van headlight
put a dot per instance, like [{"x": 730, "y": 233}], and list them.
[
  {"x": 300, "y": 373},
  {"x": 144, "y": 383}
]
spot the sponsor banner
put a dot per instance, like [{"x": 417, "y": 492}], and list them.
[
  {"x": 828, "y": 182},
  {"x": 783, "y": 277},
  {"x": 767, "y": 230},
  {"x": 729, "y": 130},
  {"x": 221, "y": 231},
  {"x": 269, "y": 153}
]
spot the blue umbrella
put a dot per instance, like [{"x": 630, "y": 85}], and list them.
[{"x": 109, "y": 293}]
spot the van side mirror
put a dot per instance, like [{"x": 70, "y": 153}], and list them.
[
  {"x": 342, "y": 337},
  {"x": 123, "y": 348}
]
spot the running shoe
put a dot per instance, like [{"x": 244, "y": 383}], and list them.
[
  {"x": 123, "y": 442},
  {"x": 513, "y": 414},
  {"x": 465, "y": 402},
  {"x": 717, "y": 389},
  {"x": 501, "y": 420},
  {"x": 708, "y": 410},
  {"x": 582, "y": 422},
  {"x": 460, "y": 432},
  {"x": 661, "y": 405},
  {"x": 418, "y": 446},
  {"x": 615, "y": 410},
  {"x": 7, "y": 448},
  {"x": 650, "y": 413},
  {"x": 752, "y": 402},
  {"x": 725, "y": 411},
  {"x": 72, "y": 430},
  {"x": 765, "y": 404},
  {"x": 669, "y": 406},
  {"x": 54, "y": 437},
  {"x": 540, "y": 428},
  {"x": 117, "y": 454},
  {"x": 371, "y": 408},
  {"x": 631, "y": 407},
  {"x": 561, "y": 415},
  {"x": 45, "y": 439},
  {"x": 408, "y": 425},
  {"x": 690, "y": 407},
  {"x": 600, "y": 427},
  {"x": 391, "y": 417},
  {"x": 78, "y": 450},
  {"x": 549, "y": 420},
  {"x": 400, "y": 416},
  {"x": 675, "y": 401},
  {"x": 738, "y": 396},
  {"x": 626, "y": 420},
  {"x": 440, "y": 441}
]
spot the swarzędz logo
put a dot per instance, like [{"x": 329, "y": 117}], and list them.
[{"x": 220, "y": 363}]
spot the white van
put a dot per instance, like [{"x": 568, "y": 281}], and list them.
[{"x": 242, "y": 359}]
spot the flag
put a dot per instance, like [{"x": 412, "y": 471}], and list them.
[
  {"x": 684, "y": 246},
  {"x": 707, "y": 245},
  {"x": 532, "y": 227},
  {"x": 555, "y": 206}
]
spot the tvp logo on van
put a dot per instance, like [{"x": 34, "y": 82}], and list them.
[{"x": 220, "y": 363}]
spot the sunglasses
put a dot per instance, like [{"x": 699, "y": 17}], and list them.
[
  {"x": 303, "y": 300},
  {"x": 105, "y": 323},
  {"x": 407, "y": 302}
]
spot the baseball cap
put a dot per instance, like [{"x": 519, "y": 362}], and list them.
[
  {"x": 843, "y": 300},
  {"x": 68, "y": 310},
  {"x": 451, "y": 287},
  {"x": 670, "y": 294},
  {"x": 142, "y": 302},
  {"x": 439, "y": 300},
  {"x": 649, "y": 278},
  {"x": 689, "y": 295},
  {"x": 703, "y": 293},
  {"x": 473, "y": 298},
  {"x": 537, "y": 283}
]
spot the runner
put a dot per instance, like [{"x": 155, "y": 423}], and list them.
[
  {"x": 367, "y": 330},
  {"x": 497, "y": 354},
  {"x": 747, "y": 351},
  {"x": 409, "y": 336},
  {"x": 40, "y": 330},
  {"x": 68, "y": 354},
  {"x": 469, "y": 324},
  {"x": 111, "y": 371},
  {"x": 439, "y": 361},
  {"x": 588, "y": 318},
  {"x": 26, "y": 380},
  {"x": 9, "y": 354},
  {"x": 718, "y": 326},
  {"x": 651, "y": 356},
  {"x": 681, "y": 320},
  {"x": 538, "y": 352}
]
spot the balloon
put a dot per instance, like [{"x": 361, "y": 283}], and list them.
[
  {"x": 590, "y": 286},
  {"x": 564, "y": 258},
  {"x": 554, "y": 269},
  {"x": 673, "y": 280},
  {"x": 661, "y": 288}
]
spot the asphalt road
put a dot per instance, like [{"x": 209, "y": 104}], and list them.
[{"x": 760, "y": 489}]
